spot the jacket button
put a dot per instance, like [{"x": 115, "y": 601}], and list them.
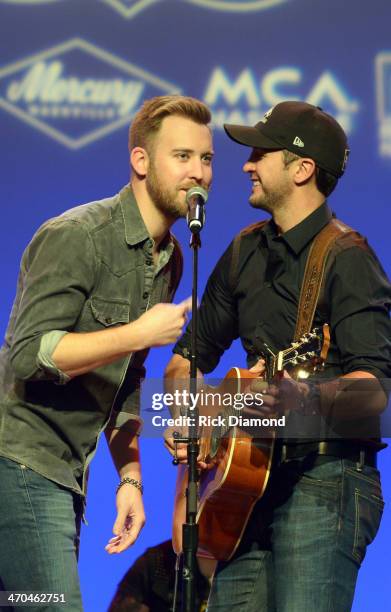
[
  {"x": 145, "y": 295},
  {"x": 109, "y": 320},
  {"x": 149, "y": 262}
]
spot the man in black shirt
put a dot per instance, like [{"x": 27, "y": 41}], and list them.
[{"x": 307, "y": 536}]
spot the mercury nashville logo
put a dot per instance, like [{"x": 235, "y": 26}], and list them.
[
  {"x": 244, "y": 98},
  {"x": 383, "y": 94},
  {"x": 243, "y": 6},
  {"x": 76, "y": 92}
]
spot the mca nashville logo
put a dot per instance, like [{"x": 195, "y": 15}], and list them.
[
  {"x": 76, "y": 92},
  {"x": 246, "y": 96}
]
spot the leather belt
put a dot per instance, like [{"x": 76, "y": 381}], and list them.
[{"x": 330, "y": 450}]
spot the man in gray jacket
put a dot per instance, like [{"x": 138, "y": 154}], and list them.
[{"x": 92, "y": 299}]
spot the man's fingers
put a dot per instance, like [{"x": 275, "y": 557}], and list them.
[
  {"x": 259, "y": 367},
  {"x": 120, "y": 522},
  {"x": 122, "y": 542},
  {"x": 259, "y": 386},
  {"x": 263, "y": 411},
  {"x": 129, "y": 536},
  {"x": 126, "y": 537},
  {"x": 181, "y": 451},
  {"x": 186, "y": 305}
]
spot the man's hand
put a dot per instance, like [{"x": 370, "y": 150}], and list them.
[
  {"x": 162, "y": 324},
  {"x": 130, "y": 519},
  {"x": 181, "y": 450},
  {"x": 284, "y": 395},
  {"x": 179, "y": 367},
  {"x": 78, "y": 353}
]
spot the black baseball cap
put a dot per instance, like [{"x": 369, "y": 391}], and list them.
[{"x": 301, "y": 128}]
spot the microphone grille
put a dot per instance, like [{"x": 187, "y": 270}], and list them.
[{"x": 197, "y": 191}]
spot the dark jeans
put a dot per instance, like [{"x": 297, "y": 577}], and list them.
[
  {"x": 39, "y": 531},
  {"x": 305, "y": 541}
]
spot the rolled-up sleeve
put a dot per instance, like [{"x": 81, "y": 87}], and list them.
[
  {"x": 57, "y": 275},
  {"x": 360, "y": 297},
  {"x": 132, "y": 423},
  {"x": 47, "y": 346}
]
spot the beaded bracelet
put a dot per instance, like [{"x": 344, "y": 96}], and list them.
[{"x": 132, "y": 481}]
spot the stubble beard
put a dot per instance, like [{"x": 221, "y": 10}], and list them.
[
  {"x": 271, "y": 200},
  {"x": 167, "y": 200}
]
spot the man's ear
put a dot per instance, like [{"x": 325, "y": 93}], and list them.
[
  {"x": 139, "y": 160},
  {"x": 304, "y": 170}
]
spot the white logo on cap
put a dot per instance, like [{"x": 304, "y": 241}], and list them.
[
  {"x": 268, "y": 113},
  {"x": 298, "y": 142},
  {"x": 345, "y": 159}
]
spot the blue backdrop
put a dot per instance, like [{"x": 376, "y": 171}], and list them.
[{"x": 72, "y": 74}]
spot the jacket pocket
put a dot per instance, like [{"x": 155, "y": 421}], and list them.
[{"x": 110, "y": 312}]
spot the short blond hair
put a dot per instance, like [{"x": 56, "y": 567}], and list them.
[{"x": 148, "y": 119}]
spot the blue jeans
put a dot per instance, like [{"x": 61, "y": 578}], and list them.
[
  {"x": 305, "y": 540},
  {"x": 39, "y": 531}
]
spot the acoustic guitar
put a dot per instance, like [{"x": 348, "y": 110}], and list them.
[{"x": 238, "y": 462}]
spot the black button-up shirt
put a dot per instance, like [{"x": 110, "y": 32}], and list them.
[{"x": 262, "y": 304}]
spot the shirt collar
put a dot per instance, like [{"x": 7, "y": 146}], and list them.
[
  {"x": 300, "y": 235},
  {"x": 135, "y": 230}
]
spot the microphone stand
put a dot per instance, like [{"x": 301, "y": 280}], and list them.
[
  {"x": 196, "y": 198},
  {"x": 190, "y": 527}
]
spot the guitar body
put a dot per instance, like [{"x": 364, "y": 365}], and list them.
[
  {"x": 238, "y": 464},
  {"x": 236, "y": 477}
]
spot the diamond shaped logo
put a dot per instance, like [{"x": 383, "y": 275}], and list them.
[
  {"x": 76, "y": 92},
  {"x": 130, "y": 8}
]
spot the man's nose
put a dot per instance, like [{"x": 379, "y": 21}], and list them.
[
  {"x": 196, "y": 170},
  {"x": 248, "y": 166}
]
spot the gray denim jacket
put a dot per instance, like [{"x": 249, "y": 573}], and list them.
[{"x": 86, "y": 270}]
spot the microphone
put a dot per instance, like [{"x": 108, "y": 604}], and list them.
[{"x": 196, "y": 199}]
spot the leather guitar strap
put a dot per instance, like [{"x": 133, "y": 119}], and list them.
[{"x": 314, "y": 274}]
